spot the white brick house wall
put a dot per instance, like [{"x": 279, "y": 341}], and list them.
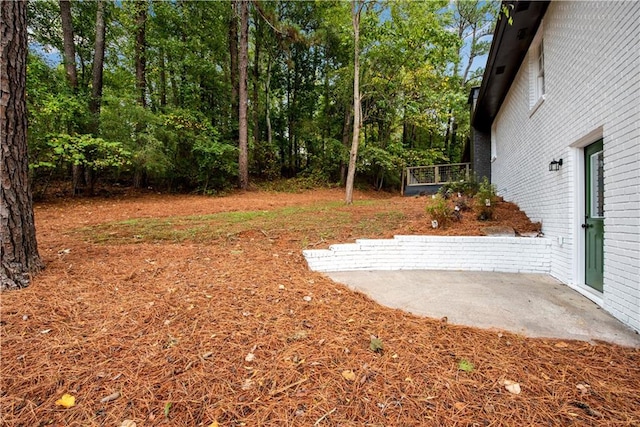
[{"x": 592, "y": 82}]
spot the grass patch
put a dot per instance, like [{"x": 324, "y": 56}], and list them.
[{"x": 311, "y": 224}]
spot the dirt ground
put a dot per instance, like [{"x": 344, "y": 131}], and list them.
[{"x": 181, "y": 310}]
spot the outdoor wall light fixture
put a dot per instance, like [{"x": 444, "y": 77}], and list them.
[{"x": 554, "y": 166}]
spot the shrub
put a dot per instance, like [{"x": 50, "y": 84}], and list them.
[
  {"x": 440, "y": 210},
  {"x": 464, "y": 187},
  {"x": 485, "y": 200}
]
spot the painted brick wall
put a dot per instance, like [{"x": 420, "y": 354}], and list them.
[
  {"x": 592, "y": 78},
  {"x": 503, "y": 254}
]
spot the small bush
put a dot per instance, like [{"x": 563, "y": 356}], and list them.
[
  {"x": 440, "y": 210},
  {"x": 485, "y": 200},
  {"x": 464, "y": 187}
]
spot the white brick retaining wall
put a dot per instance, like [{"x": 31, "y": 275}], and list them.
[{"x": 501, "y": 254}]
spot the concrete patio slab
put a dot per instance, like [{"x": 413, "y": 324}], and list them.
[{"x": 533, "y": 305}]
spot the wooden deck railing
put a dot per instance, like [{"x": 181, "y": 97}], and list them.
[{"x": 437, "y": 174}]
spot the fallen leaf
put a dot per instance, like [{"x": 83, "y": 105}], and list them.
[
  {"x": 511, "y": 386},
  {"x": 562, "y": 344},
  {"x": 250, "y": 357},
  {"x": 298, "y": 335},
  {"x": 214, "y": 424},
  {"x": 66, "y": 401},
  {"x": 584, "y": 388},
  {"x": 349, "y": 375},
  {"x": 112, "y": 396},
  {"x": 128, "y": 423},
  {"x": 247, "y": 384}
]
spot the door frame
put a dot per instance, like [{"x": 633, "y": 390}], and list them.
[
  {"x": 596, "y": 276},
  {"x": 579, "y": 212}
]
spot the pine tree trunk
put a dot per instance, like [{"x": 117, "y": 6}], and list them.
[
  {"x": 69, "y": 59},
  {"x": 96, "y": 90},
  {"x": 256, "y": 83},
  {"x": 98, "y": 67},
  {"x": 163, "y": 80},
  {"x": 243, "y": 158},
  {"x": 141, "y": 80},
  {"x": 140, "y": 52},
  {"x": 233, "y": 67},
  {"x": 175, "y": 95},
  {"x": 346, "y": 133},
  {"x": 19, "y": 258},
  {"x": 69, "y": 54},
  {"x": 267, "y": 104},
  {"x": 357, "y": 110}
]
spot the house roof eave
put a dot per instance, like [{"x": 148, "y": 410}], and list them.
[{"x": 508, "y": 50}]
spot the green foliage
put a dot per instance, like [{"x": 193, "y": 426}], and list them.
[
  {"x": 465, "y": 366},
  {"x": 216, "y": 162},
  {"x": 327, "y": 159},
  {"x": 425, "y": 157},
  {"x": 413, "y": 83},
  {"x": 379, "y": 165},
  {"x": 465, "y": 187},
  {"x": 298, "y": 184},
  {"x": 197, "y": 157},
  {"x": 86, "y": 150},
  {"x": 122, "y": 119},
  {"x": 376, "y": 345},
  {"x": 485, "y": 200},
  {"x": 440, "y": 210}
]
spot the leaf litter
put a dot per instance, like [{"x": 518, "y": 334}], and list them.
[{"x": 179, "y": 357}]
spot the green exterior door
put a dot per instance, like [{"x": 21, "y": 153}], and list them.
[{"x": 594, "y": 215}]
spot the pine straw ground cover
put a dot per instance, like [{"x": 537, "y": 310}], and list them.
[{"x": 200, "y": 311}]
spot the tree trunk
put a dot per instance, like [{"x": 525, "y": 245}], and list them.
[
  {"x": 163, "y": 80},
  {"x": 19, "y": 258},
  {"x": 233, "y": 67},
  {"x": 256, "y": 83},
  {"x": 447, "y": 135},
  {"x": 243, "y": 157},
  {"x": 172, "y": 79},
  {"x": 69, "y": 59},
  {"x": 140, "y": 52},
  {"x": 346, "y": 133},
  {"x": 69, "y": 54},
  {"x": 98, "y": 67},
  {"x": 141, "y": 79},
  {"x": 356, "y": 7},
  {"x": 267, "y": 104},
  {"x": 96, "y": 90}
]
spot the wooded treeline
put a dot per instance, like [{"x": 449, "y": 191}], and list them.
[{"x": 203, "y": 95}]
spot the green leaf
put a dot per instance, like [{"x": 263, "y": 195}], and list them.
[
  {"x": 465, "y": 365},
  {"x": 167, "y": 409},
  {"x": 376, "y": 345}
]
